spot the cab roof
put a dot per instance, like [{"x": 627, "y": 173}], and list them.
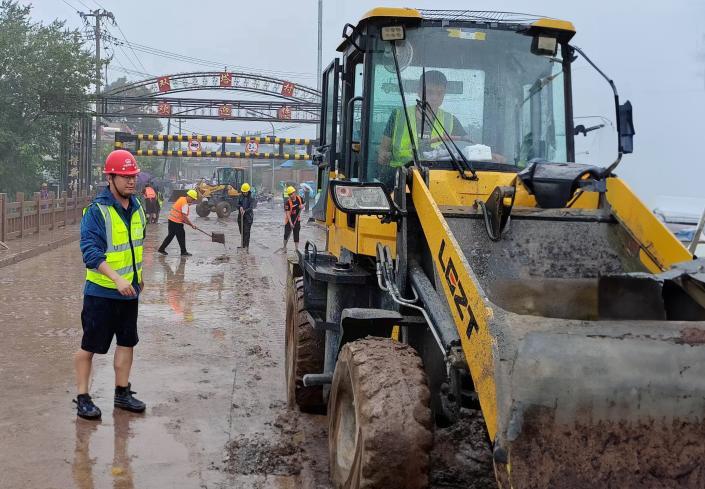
[{"x": 469, "y": 15}]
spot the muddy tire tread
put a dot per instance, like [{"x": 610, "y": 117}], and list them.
[
  {"x": 309, "y": 353},
  {"x": 394, "y": 416}
]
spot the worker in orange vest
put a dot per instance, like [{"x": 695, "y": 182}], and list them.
[
  {"x": 292, "y": 216},
  {"x": 178, "y": 216},
  {"x": 150, "y": 201}
]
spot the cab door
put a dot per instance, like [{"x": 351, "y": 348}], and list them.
[{"x": 329, "y": 155}]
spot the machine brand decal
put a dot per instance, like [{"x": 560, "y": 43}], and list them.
[{"x": 456, "y": 289}]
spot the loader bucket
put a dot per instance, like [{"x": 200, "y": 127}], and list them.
[
  {"x": 599, "y": 366},
  {"x": 620, "y": 404}
]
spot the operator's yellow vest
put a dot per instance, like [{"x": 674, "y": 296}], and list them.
[
  {"x": 401, "y": 142},
  {"x": 119, "y": 253}
]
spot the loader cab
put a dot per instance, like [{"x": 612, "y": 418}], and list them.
[
  {"x": 229, "y": 176},
  {"x": 506, "y": 98},
  {"x": 503, "y": 90}
]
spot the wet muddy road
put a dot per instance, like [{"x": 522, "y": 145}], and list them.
[{"x": 209, "y": 365}]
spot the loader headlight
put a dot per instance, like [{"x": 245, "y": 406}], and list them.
[{"x": 361, "y": 198}]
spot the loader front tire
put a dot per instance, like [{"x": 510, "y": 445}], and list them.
[
  {"x": 379, "y": 417},
  {"x": 305, "y": 348},
  {"x": 203, "y": 209}
]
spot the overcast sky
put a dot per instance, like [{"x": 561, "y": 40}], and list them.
[{"x": 649, "y": 48}]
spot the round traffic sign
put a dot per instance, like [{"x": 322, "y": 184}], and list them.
[
  {"x": 194, "y": 145},
  {"x": 252, "y": 147}
]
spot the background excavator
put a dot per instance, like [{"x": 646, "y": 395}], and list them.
[{"x": 474, "y": 269}]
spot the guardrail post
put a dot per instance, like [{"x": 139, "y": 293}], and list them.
[
  {"x": 38, "y": 209},
  {"x": 52, "y": 203},
  {"x": 65, "y": 201},
  {"x": 3, "y": 217},
  {"x": 19, "y": 197}
]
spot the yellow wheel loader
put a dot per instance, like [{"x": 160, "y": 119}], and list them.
[
  {"x": 221, "y": 194},
  {"x": 480, "y": 289}
]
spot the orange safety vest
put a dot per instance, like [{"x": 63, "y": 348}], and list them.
[
  {"x": 175, "y": 214},
  {"x": 149, "y": 193},
  {"x": 290, "y": 209}
]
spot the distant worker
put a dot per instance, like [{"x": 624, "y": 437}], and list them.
[
  {"x": 292, "y": 216},
  {"x": 112, "y": 233},
  {"x": 178, "y": 216},
  {"x": 44, "y": 192},
  {"x": 151, "y": 203},
  {"x": 245, "y": 205}
]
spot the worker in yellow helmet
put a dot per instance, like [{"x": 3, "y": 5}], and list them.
[
  {"x": 245, "y": 204},
  {"x": 178, "y": 216},
  {"x": 292, "y": 216}
]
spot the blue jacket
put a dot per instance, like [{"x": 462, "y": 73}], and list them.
[{"x": 94, "y": 240}]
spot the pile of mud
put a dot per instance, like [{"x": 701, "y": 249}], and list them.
[{"x": 462, "y": 457}]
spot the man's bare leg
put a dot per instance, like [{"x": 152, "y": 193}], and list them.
[
  {"x": 83, "y": 361},
  {"x": 122, "y": 365}
]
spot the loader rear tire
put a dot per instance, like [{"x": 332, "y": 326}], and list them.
[
  {"x": 223, "y": 209},
  {"x": 379, "y": 417},
  {"x": 305, "y": 348}
]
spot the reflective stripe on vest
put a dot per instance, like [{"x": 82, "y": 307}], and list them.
[
  {"x": 401, "y": 143},
  {"x": 119, "y": 253},
  {"x": 175, "y": 213}
]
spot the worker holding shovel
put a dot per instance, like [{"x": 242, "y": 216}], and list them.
[
  {"x": 178, "y": 216},
  {"x": 245, "y": 215}
]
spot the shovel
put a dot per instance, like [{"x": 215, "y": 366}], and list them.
[{"x": 215, "y": 237}]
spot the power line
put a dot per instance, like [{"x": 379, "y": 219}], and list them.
[
  {"x": 130, "y": 45},
  {"x": 204, "y": 62}
]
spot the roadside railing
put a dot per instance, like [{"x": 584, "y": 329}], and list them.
[{"x": 23, "y": 218}]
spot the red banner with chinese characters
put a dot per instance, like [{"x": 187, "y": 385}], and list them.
[
  {"x": 164, "y": 83},
  {"x": 288, "y": 89},
  {"x": 164, "y": 108},
  {"x": 284, "y": 112},
  {"x": 226, "y": 79},
  {"x": 225, "y": 111}
]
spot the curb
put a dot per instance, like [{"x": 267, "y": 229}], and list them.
[{"x": 24, "y": 255}]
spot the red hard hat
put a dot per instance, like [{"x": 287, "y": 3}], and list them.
[{"x": 121, "y": 162}]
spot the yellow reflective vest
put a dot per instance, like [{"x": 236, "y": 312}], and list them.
[
  {"x": 124, "y": 251},
  {"x": 401, "y": 142}
]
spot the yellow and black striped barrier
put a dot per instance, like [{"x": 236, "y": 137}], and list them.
[
  {"x": 220, "y": 154},
  {"x": 222, "y": 139}
]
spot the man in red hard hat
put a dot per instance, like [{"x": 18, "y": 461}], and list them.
[{"x": 112, "y": 235}]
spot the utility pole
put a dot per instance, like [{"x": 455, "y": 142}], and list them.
[
  {"x": 98, "y": 14},
  {"x": 320, "y": 44}
]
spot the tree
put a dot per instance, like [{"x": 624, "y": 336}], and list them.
[{"x": 36, "y": 61}]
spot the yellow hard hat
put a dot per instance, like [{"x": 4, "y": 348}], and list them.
[
  {"x": 290, "y": 190},
  {"x": 245, "y": 187},
  {"x": 193, "y": 194}
]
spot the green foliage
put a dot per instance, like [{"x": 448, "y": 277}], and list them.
[{"x": 35, "y": 60}]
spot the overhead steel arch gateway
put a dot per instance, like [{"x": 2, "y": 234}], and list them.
[{"x": 224, "y": 80}]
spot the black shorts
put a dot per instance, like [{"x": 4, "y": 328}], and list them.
[
  {"x": 287, "y": 231},
  {"x": 103, "y": 318}
]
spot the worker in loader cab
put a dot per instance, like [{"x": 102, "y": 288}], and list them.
[
  {"x": 178, "y": 216},
  {"x": 395, "y": 148},
  {"x": 245, "y": 205}
]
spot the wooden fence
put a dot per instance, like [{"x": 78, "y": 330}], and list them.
[{"x": 26, "y": 217}]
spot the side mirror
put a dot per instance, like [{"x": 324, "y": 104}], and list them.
[
  {"x": 370, "y": 199},
  {"x": 626, "y": 128}
]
